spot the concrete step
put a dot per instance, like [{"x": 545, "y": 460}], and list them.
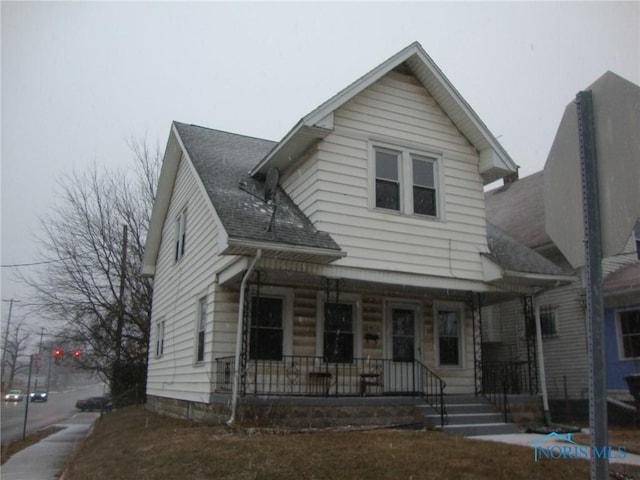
[
  {"x": 467, "y": 418},
  {"x": 467, "y": 415},
  {"x": 470, "y": 430}
]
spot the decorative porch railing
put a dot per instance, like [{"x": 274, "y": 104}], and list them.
[
  {"x": 312, "y": 376},
  {"x": 432, "y": 390},
  {"x": 500, "y": 379}
]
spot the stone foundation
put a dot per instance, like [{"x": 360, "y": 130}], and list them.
[
  {"x": 525, "y": 410},
  {"x": 293, "y": 412}
]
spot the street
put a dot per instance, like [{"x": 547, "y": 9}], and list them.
[{"x": 59, "y": 407}]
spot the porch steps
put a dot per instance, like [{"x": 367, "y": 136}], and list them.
[{"x": 467, "y": 415}]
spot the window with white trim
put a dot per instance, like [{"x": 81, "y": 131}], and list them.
[
  {"x": 181, "y": 234},
  {"x": 339, "y": 328},
  {"x": 159, "y": 339},
  {"x": 266, "y": 328},
  {"x": 548, "y": 326},
  {"x": 201, "y": 330},
  {"x": 629, "y": 333},
  {"x": 449, "y": 336},
  {"x": 405, "y": 181},
  {"x": 338, "y": 337}
]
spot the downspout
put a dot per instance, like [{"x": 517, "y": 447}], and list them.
[
  {"x": 236, "y": 370},
  {"x": 540, "y": 355}
]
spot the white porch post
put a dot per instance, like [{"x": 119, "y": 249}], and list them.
[{"x": 541, "y": 373}]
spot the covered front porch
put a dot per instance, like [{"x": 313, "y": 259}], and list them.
[{"x": 309, "y": 336}]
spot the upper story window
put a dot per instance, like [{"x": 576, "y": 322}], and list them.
[
  {"x": 181, "y": 234},
  {"x": 387, "y": 180},
  {"x": 160, "y": 339},
  {"x": 405, "y": 181},
  {"x": 424, "y": 187},
  {"x": 201, "y": 329}
]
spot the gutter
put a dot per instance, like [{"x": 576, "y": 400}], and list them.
[{"x": 236, "y": 371}]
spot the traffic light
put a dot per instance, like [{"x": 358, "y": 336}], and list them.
[
  {"x": 76, "y": 355},
  {"x": 57, "y": 355}
]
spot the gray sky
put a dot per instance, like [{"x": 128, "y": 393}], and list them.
[{"x": 79, "y": 78}]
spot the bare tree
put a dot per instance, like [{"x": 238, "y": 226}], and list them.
[
  {"x": 81, "y": 282},
  {"x": 18, "y": 339}
]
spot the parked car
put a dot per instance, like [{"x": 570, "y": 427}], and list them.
[
  {"x": 39, "y": 396},
  {"x": 94, "y": 403},
  {"x": 14, "y": 396}
]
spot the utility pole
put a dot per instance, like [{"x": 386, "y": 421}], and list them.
[
  {"x": 6, "y": 339},
  {"x": 38, "y": 359},
  {"x": 119, "y": 325}
]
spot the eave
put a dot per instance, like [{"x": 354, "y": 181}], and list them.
[{"x": 245, "y": 247}]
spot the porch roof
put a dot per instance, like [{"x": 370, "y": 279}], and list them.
[{"x": 520, "y": 264}]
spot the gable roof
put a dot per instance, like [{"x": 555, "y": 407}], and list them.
[
  {"x": 518, "y": 208},
  {"x": 221, "y": 161},
  {"x": 495, "y": 162}
]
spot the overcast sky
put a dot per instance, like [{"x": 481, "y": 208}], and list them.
[{"x": 79, "y": 78}]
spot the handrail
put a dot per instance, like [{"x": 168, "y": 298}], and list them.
[
  {"x": 432, "y": 390},
  {"x": 498, "y": 380}
]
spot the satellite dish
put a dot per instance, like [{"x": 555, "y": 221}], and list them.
[{"x": 271, "y": 183}]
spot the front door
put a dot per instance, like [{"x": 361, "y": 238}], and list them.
[{"x": 402, "y": 347}]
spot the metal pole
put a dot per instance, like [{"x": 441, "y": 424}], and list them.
[
  {"x": 35, "y": 386},
  {"x": 6, "y": 339},
  {"x": 27, "y": 400},
  {"x": 594, "y": 296}
]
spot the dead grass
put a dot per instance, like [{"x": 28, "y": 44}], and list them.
[
  {"x": 15, "y": 447},
  {"x": 627, "y": 437},
  {"x": 133, "y": 443}
]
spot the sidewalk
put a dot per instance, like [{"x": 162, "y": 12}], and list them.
[
  {"x": 528, "y": 439},
  {"x": 45, "y": 459}
]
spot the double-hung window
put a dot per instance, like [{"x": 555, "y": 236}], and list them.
[
  {"x": 449, "y": 335},
  {"x": 405, "y": 181},
  {"x": 202, "y": 326},
  {"x": 424, "y": 186},
  {"x": 267, "y": 328},
  {"x": 629, "y": 331},
  {"x": 338, "y": 333},
  {"x": 548, "y": 326},
  {"x": 387, "y": 180},
  {"x": 160, "y": 339},
  {"x": 181, "y": 234}
]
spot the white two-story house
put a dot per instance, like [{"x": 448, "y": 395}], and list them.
[{"x": 346, "y": 262}]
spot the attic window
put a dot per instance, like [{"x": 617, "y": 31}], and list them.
[
  {"x": 405, "y": 181},
  {"x": 181, "y": 234}
]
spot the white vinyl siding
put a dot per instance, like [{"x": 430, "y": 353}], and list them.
[
  {"x": 175, "y": 374},
  {"x": 333, "y": 185}
]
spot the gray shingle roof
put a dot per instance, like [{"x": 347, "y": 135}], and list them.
[
  {"x": 223, "y": 160},
  {"x": 511, "y": 255}
]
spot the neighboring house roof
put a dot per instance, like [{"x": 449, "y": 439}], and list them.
[
  {"x": 516, "y": 259},
  {"x": 518, "y": 208},
  {"x": 625, "y": 279},
  {"x": 495, "y": 162}
]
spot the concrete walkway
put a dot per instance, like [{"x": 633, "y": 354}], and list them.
[
  {"x": 45, "y": 460},
  {"x": 535, "y": 439}
]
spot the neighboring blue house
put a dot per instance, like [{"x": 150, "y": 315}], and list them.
[{"x": 622, "y": 325}]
